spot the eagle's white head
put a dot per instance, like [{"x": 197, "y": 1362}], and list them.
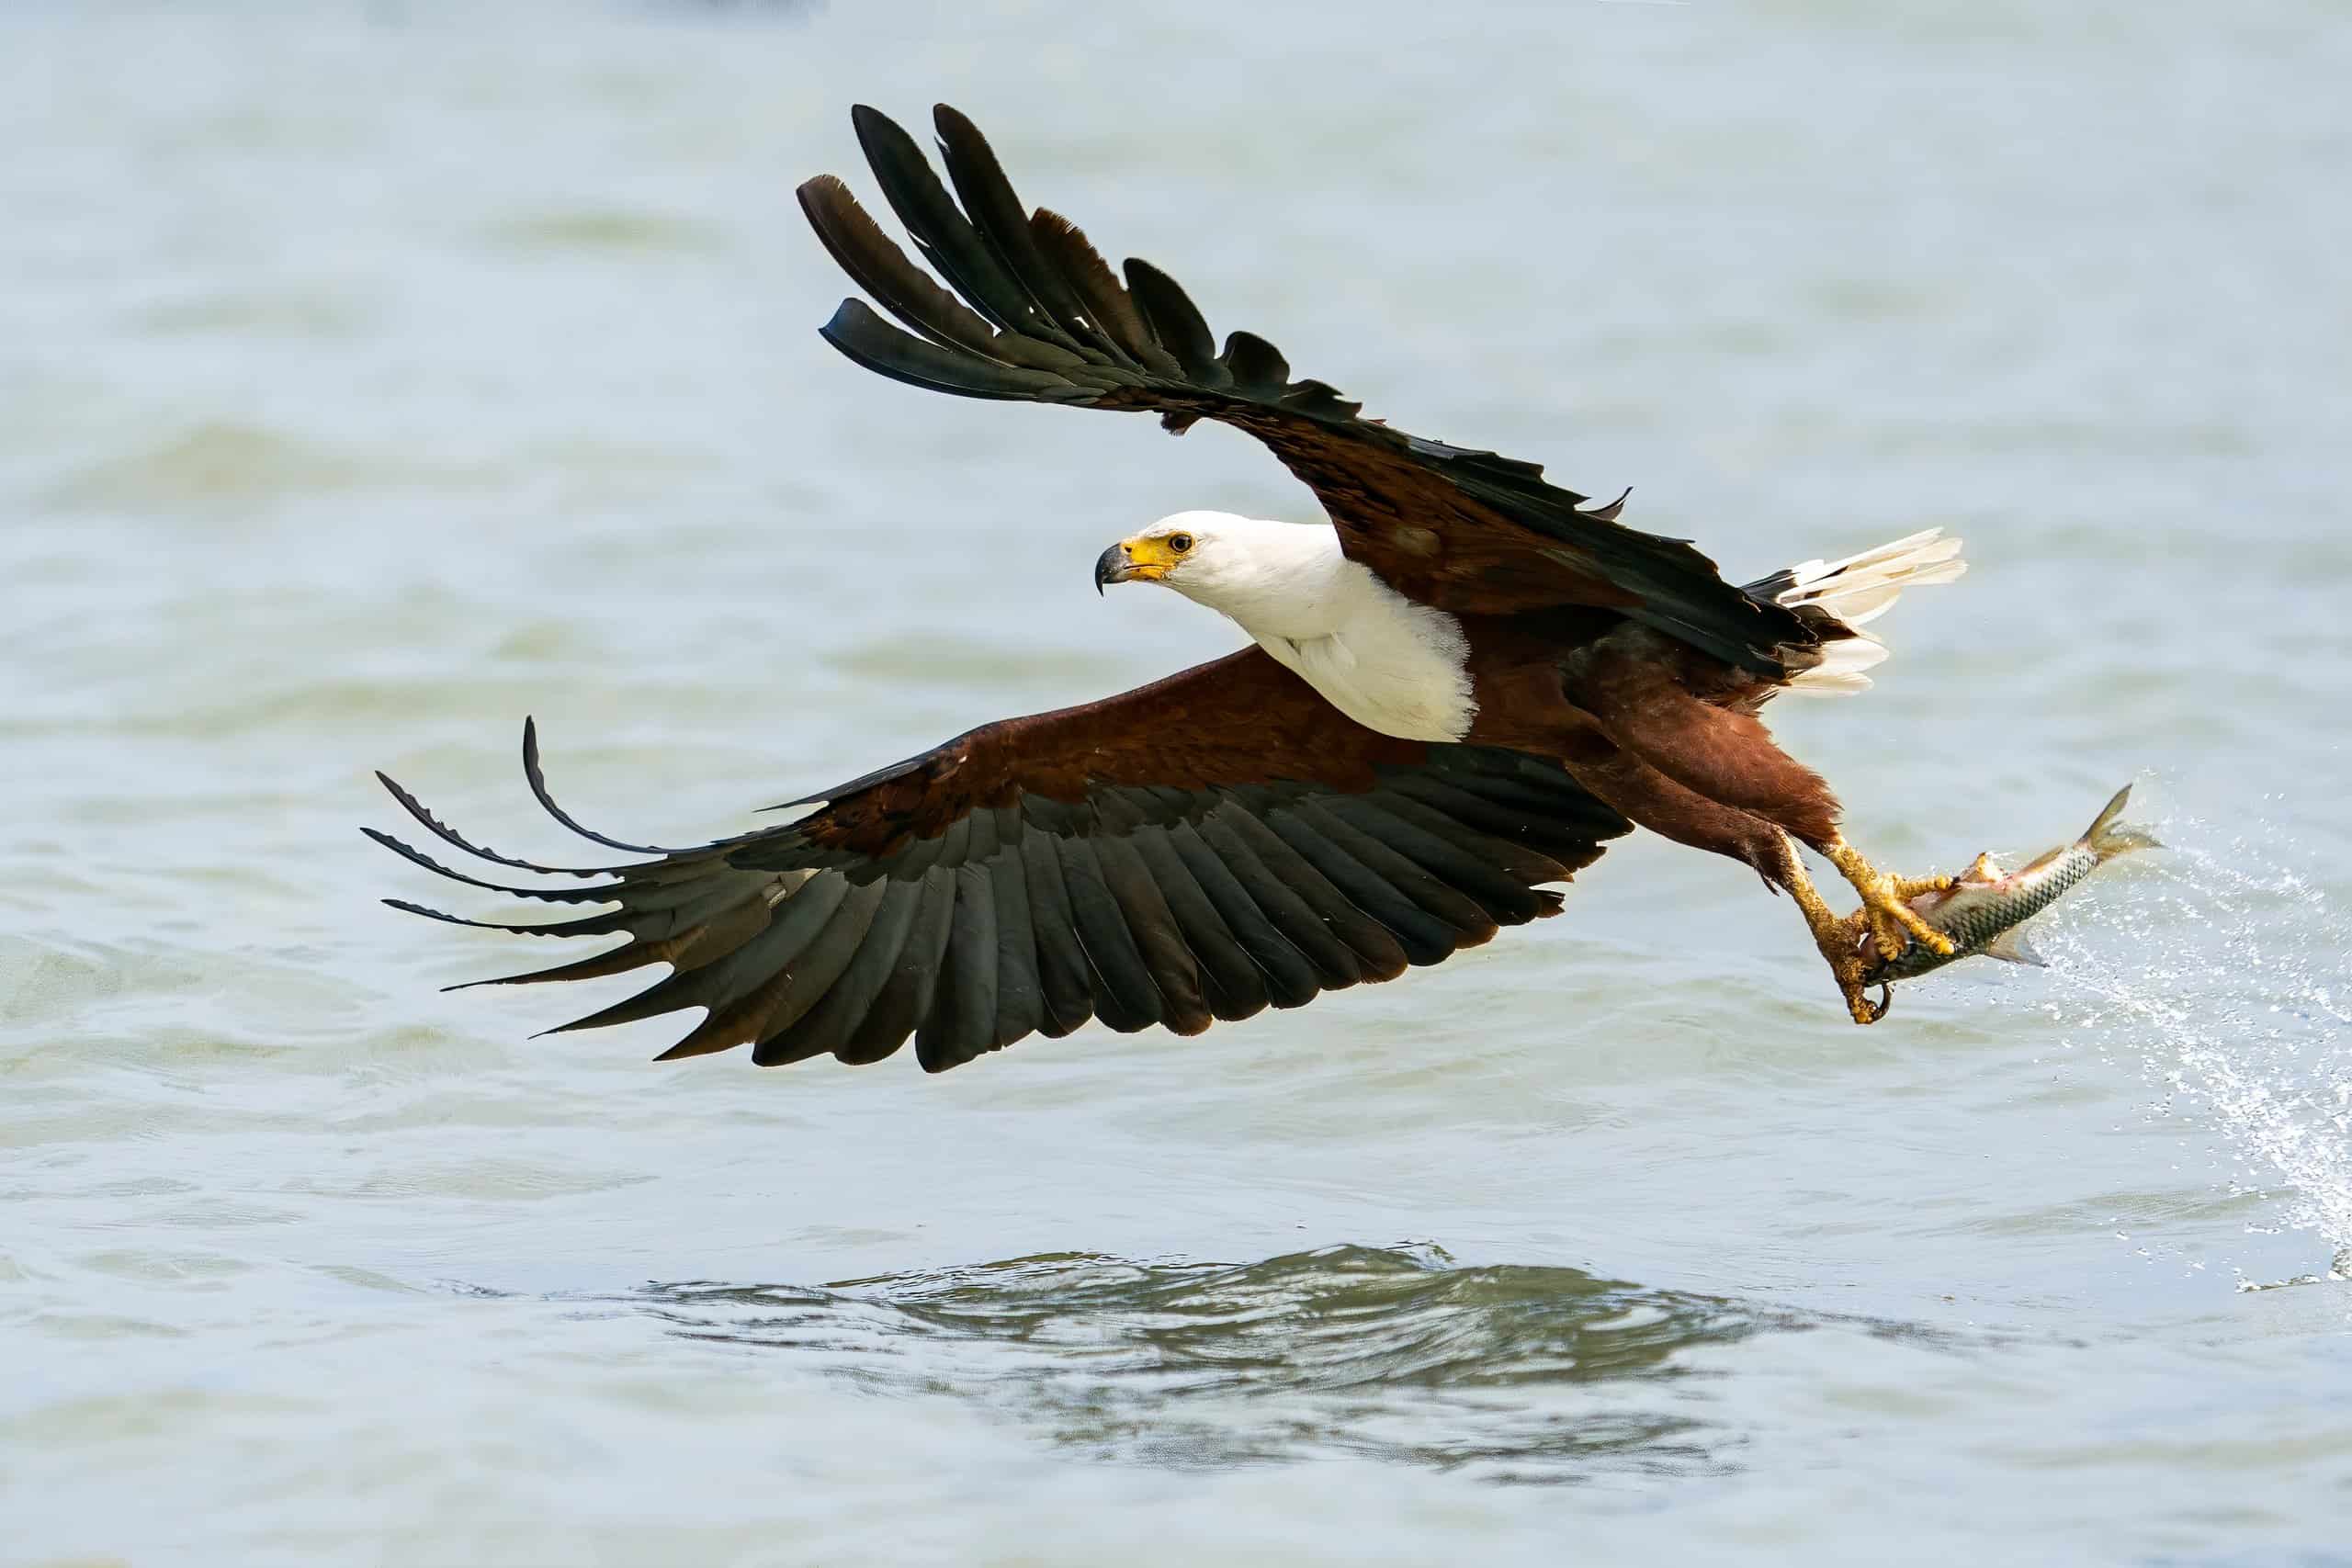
[
  {"x": 1284, "y": 580},
  {"x": 1390, "y": 664}
]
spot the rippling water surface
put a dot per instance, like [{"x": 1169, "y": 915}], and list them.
[{"x": 374, "y": 376}]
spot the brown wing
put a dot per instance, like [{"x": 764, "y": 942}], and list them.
[
  {"x": 1042, "y": 318},
  {"x": 1211, "y": 844}
]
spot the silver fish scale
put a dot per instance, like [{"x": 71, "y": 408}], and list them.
[{"x": 1973, "y": 923}]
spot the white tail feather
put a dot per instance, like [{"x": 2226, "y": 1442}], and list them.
[{"x": 1857, "y": 591}]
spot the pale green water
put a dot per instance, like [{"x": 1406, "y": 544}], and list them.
[{"x": 371, "y": 377}]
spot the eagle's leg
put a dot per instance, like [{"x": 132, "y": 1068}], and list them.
[
  {"x": 1656, "y": 802},
  {"x": 1639, "y": 691},
  {"x": 1886, "y": 900},
  {"x": 1839, "y": 937}
]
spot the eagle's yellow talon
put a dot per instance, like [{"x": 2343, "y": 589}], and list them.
[
  {"x": 1839, "y": 938},
  {"x": 1840, "y": 941},
  {"x": 1841, "y": 945},
  {"x": 1856, "y": 1003},
  {"x": 1886, "y": 903},
  {"x": 1895, "y": 921}
]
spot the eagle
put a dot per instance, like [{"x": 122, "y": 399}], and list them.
[{"x": 1457, "y": 691}]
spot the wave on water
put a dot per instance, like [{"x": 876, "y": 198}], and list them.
[
  {"x": 1509, "y": 1373},
  {"x": 2224, "y": 976}
]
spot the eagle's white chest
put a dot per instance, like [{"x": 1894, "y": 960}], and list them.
[{"x": 1390, "y": 664}]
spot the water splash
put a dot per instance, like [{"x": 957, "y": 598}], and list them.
[{"x": 2222, "y": 970}]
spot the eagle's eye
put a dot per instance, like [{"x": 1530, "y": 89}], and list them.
[{"x": 1180, "y": 543}]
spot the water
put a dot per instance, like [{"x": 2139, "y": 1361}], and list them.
[
  {"x": 2229, "y": 1001},
  {"x": 375, "y": 375}
]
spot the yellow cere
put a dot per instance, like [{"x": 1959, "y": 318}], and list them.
[{"x": 1149, "y": 556}]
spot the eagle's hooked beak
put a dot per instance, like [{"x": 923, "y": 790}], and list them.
[
  {"x": 1113, "y": 565},
  {"x": 1133, "y": 560}
]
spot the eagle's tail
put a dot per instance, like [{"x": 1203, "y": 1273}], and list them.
[{"x": 1840, "y": 597}]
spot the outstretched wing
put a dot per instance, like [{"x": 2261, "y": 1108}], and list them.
[
  {"x": 1042, "y": 318},
  {"x": 1211, "y": 844}
]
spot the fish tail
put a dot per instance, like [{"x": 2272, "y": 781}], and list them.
[{"x": 2108, "y": 838}]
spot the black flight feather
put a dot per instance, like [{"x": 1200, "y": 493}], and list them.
[
  {"x": 450, "y": 835},
  {"x": 1425, "y": 939},
  {"x": 595, "y": 895},
  {"x": 886, "y": 350},
  {"x": 1257, "y": 366},
  {"x": 1124, "y": 997},
  {"x": 1177, "y": 323},
  {"x": 996, "y": 211},
  {"x": 961, "y": 1023},
  {"x": 1235, "y": 987},
  {"x": 1405, "y": 826},
  {"x": 587, "y": 925},
  {"x": 1020, "y": 1004},
  {"x": 914, "y": 980},
  {"x": 1401, "y": 873},
  {"x": 537, "y": 778},
  {"x": 1315, "y": 916},
  {"x": 877, "y": 264},
  {"x": 848, "y": 1000},
  {"x": 1065, "y": 244},
  {"x": 1289, "y": 979},
  {"x": 1174, "y": 973},
  {"x": 944, "y": 235},
  {"x": 1065, "y": 978},
  {"x": 740, "y": 972},
  {"x": 1381, "y": 955}
]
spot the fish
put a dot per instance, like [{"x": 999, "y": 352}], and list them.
[{"x": 1985, "y": 909}]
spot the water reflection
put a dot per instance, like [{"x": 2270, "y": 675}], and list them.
[{"x": 1515, "y": 1372}]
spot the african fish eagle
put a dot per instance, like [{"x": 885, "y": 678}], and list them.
[{"x": 1456, "y": 691}]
